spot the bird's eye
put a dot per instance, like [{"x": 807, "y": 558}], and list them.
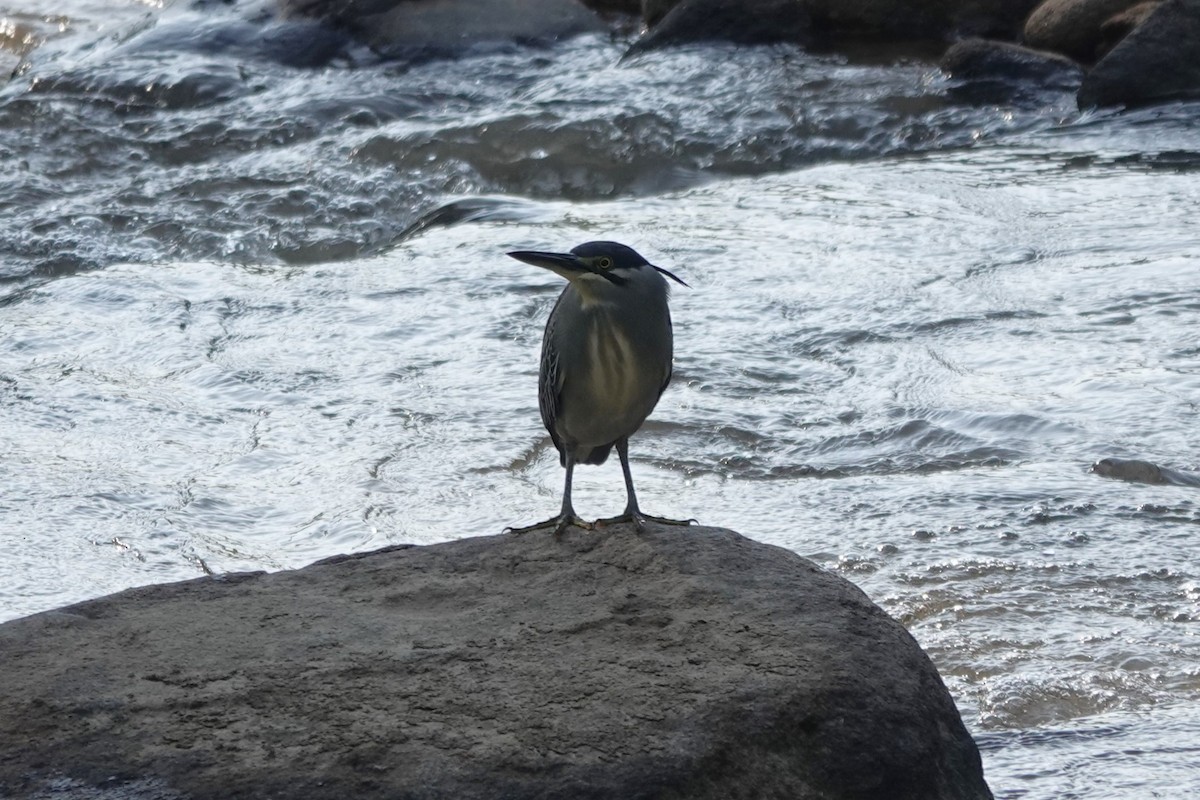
[{"x": 604, "y": 263}]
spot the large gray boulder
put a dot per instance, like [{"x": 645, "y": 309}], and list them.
[
  {"x": 1158, "y": 62},
  {"x": 679, "y": 663}
]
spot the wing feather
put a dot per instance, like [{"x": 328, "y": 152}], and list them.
[{"x": 550, "y": 386}]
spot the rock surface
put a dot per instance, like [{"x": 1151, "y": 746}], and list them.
[
  {"x": 901, "y": 19},
  {"x": 1136, "y": 470},
  {"x": 679, "y": 663},
  {"x": 975, "y": 59},
  {"x": 1118, "y": 26},
  {"x": 1072, "y": 27},
  {"x": 923, "y": 19},
  {"x": 1157, "y": 62},
  {"x": 736, "y": 21},
  {"x": 997, "y": 19},
  {"x": 988, "y": 72}
]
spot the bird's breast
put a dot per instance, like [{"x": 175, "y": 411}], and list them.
[
  {"x": 614, "y": 386},
  {"x": 615, "y": 373}
]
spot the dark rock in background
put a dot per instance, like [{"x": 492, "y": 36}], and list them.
[
  {"x": 1072, "y": 27},
  {"x": 679, "y": 663},
  {"x": 882, "y": 19},
  {"x": 995, "y": 19},
  {"x": 1118, "y": 26},
  {"x": 736, "y": 21},
  {"x": 630, "y": 7},
  {"x": 921, "y": 19},
  {"x": 985, "y": 60},
  {"x": 654, "y": 10},
  {"x": 1156, "y": 66},
  {"x": 1157, "y": 62}
]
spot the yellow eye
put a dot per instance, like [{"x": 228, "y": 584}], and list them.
[{"x": 604, "y": 263}]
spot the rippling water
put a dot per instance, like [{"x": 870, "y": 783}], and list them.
[{"x": 257, "y": 314}]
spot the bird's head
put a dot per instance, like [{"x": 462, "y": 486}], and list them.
[{"x": 606, "y": 262}]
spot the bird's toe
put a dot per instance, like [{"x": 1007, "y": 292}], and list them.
[
  {"x": 640, "y": 521},
  {"x": 556, "y": 524},
  {"x": 546, "y": 523}
]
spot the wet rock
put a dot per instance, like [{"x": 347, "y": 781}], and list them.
[
  {"x": 682, "y": 662},
  {"x": 919, "y": 19},
  {"x": 1128, "y": 469},
  {"x": 1072, "y": 27},
  {"x": 915, "y": 19},
  {"x": 738, "y": 21},
  {"x": 425, "y": 28},
  {"x": 1158, "y": 62},
  {"x": 988, "y": 72},
  {"x": 987, "y": 60},
  {"x": 1138, "y": 471}
]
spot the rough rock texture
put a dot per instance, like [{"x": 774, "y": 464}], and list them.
[
  {"x": 1072, "y": 27},
  {"x": 682, "y": 663},
  {"x": 737, "y": 21},
  {"x": 1158, "y": 62}
]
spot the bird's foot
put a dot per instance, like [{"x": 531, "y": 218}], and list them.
[
  {"x": 639, "y": 520},
  {"x": 559, "y": 523}
]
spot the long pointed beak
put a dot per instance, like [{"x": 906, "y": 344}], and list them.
[{"x": 565, "y": 264}]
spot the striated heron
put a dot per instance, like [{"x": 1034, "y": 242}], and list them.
[{"x": 606, "y": 359}]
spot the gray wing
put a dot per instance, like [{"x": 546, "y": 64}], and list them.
[{"x": 550, "y": 386}]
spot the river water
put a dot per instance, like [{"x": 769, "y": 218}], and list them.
[{"x": 255, "y": 314}]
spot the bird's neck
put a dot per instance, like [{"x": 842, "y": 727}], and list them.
[{"x": 595, "y": 293}]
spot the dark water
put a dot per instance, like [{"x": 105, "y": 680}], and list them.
[{"x": 256, "y": 314}]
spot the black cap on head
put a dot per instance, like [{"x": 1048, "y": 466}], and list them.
[{"x": 621, "y": 255}]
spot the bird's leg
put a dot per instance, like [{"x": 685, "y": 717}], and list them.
[
  {"x": 632, "y": 512},
  {"x": 567, "y": 516}
]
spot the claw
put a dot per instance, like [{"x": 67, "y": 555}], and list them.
[
  {"x": 639, "y": 521},
  {"x": 560, "y": 524}
]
